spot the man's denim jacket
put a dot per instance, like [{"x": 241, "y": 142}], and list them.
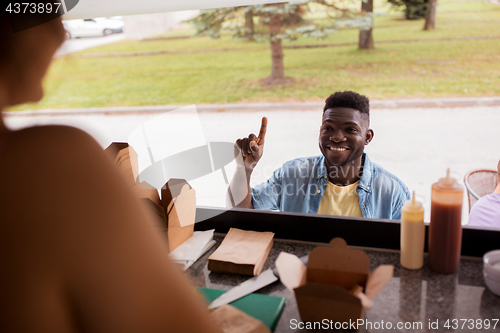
[{"x": 299, "y": 185}]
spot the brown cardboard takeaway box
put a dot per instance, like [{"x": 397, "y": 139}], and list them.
[
  {"x": 178, "y": 200},
  {"x": 326, "y": 289}
]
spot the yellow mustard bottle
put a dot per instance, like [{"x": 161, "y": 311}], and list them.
[{"x": 412, "y": 234}]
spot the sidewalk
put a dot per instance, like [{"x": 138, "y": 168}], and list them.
[
  {"x": 79, "y": 44},
  {"x": 375, "y": 104}
]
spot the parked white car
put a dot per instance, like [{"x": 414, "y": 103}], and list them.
[{"x": 100, "y": 26}]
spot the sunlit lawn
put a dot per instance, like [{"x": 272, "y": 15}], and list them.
[{"x": 411, "y": 69}]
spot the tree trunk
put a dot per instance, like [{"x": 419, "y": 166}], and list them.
[
  {"x": 366, "y": 36},
  {"x": 249, "y": 28},
  {"x": 430, "y": 15},
  {"x": 278, "y": 69}
]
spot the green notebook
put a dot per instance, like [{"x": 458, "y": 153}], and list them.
[{"x": 265, "y": 308}]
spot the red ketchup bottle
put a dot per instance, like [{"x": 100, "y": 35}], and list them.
[{"x": 445, "y": 229}]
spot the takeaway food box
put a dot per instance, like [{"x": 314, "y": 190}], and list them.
[{"x": 336, "y": 284}]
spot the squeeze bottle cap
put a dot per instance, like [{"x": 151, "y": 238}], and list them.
[
  {"x": 448, "y": 183},
  {"x": 413, "y": 205}
]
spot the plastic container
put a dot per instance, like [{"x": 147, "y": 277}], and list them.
[
  {"x": 491, "y": 264},
  {"x": 491, "y": 271},
  {"x": 445, "y": 229},
  {"x": 412, "y": 234}
]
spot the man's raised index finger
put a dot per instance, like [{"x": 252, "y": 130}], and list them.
[{"x": 263, "y": 129}]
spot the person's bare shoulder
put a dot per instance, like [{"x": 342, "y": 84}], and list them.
[
  {"x": 52, "y": 162},
  {"x": 36, "y": 147},
  {"x": 53, "y": 177},
  {"x": 49, "y": 139},
  {"x": 70, "y": 220}
]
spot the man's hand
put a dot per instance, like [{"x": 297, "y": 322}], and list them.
[
  {"x": 251, "y": 148},
  {"x": 247, "y": 153}
]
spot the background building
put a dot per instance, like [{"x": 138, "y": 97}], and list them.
[{"x": 148, "y": 25}]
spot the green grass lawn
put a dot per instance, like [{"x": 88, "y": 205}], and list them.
[{"x": 412, "y": 69}]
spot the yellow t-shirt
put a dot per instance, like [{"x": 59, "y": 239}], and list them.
[{"x": 340, "y": 200}]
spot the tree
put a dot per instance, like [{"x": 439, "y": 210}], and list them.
[
  {"x": 430, "y": 15},
  {"x": 278, "y": 22},
  {"x": 366, "y": 36},
  {"x": 277, "y": 66},
  {"x": 249, "y": 24},
  {"x": 414, "y": 9}
]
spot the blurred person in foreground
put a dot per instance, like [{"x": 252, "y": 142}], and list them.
[
  {"x": 342, "y": 181},
  {"x": 486, "y": 211},
  {"x": 78, "y": 252}
]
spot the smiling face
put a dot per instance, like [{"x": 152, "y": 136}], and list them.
[{"x": 343, "y": 135}]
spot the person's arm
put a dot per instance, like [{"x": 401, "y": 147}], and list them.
[
  {"x": 239, "y": 193},
  {"x": 248, "y": 151},
  {"x": 90, "y": 252},
  {"x": 402, "y": 198}
]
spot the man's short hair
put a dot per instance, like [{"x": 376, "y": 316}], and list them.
[{"x": 348, "y": 99}]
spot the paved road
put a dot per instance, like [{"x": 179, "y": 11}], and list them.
[
  {"x": 79, "y": 44},
  {"x": 416, "y": 144}
]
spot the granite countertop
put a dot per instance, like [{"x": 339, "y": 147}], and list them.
[{"x": 419, "y": 296}]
